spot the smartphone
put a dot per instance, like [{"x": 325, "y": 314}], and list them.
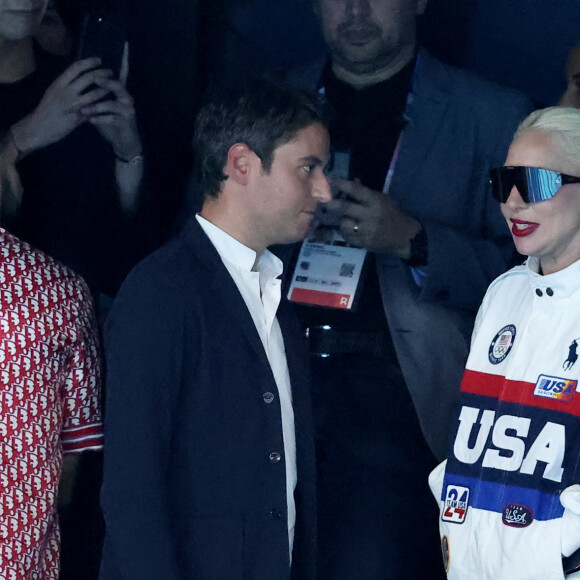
[{"x": 102, "y": 35}]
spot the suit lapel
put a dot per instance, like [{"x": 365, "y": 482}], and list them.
[
  {"x": 224, "y": 288},
  {"x": 430, "y": 101}
]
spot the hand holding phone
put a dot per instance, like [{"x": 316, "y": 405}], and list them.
[
  {"x": 114, "y": 116},
  {"x": 60, "y": 109},
  {"x": 102, "y": 36}
]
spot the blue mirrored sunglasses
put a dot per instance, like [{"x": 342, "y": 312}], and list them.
[{"x": 533, "y": 183}]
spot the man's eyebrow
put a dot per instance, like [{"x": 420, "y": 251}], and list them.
[{"x": 311, "y": 160}]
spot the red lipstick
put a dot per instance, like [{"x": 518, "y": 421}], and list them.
[{"x": 522, "y": 228}]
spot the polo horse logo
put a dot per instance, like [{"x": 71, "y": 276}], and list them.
[{"x": 572, "y": 355}]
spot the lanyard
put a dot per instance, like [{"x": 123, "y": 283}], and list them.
[{"x": 407, "y": 117}]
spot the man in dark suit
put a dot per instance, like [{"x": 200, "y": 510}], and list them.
[{"x": 209, "y": 467}]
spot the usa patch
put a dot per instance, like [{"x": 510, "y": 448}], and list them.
[
  {"x": 502, "y": 344},
  {"x": 555, "y": 388},
  {"x": 517, "y": 516},
  {"x": 455, "y": 505}
]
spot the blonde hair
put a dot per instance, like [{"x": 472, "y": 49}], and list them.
[{"x": 562, "y": 124}]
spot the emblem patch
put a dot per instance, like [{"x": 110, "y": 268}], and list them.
[
  {"x": 517, "y": 516},
  {"x": 456, "y": 503},
  {"x": 502, "y": 344},
  {"x": 445, "y": 552},
  {"x": 572, "y": 355},
  {"x": 555, "y": 388}
]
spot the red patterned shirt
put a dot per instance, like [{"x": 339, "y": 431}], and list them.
[{"x": 49, "y": 401}]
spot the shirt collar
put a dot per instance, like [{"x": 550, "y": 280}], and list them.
[
  {"x": 237, "y": 254},
  {"x": 564, "y": 282}
]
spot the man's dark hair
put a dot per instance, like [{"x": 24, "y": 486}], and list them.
[{"x": 264, "y": 116}]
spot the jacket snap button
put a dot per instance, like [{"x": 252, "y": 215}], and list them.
[
  {"x": 549, "y": 292},
  {"x": 268, "y": 397},
  {"x": 539, "y": 292},
  {"x": 275, "y": 457},
  {"x": 276, "y": 514}
]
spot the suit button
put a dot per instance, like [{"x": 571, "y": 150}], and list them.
[
  {"x": 268, "y": 397},
  {"x": 539, "y": 292},
  {"x": 549, "y": 292},
  {"x": 276, "y": 514},
  {"x": 275, "y": 457}
]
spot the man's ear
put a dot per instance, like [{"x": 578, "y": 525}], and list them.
[{"x": 240, "y": 163}]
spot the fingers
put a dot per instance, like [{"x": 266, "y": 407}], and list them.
[
  {"x": 335, "y": 206},
  {"x": 354, "y": 189},
  {"x": 348, "y": 208},
  {"x": 116, "y": 87},
  {"x": 77, "y": 83},
  {"x": 78, "y": 68},
  {"x": 120, "y": 106},
  {"x": 86, "y": 99},
  {"x": 358, "y": 211},
  {"x": 350, "y": 230},
  {"x": 89, "y": 78},
  {"x": 124, "y": 111},
  {"x": 104, "y": 120}
]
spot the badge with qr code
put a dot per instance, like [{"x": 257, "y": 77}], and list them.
[
  {"x": 327, "y": 273},
  {"x": 328, "y": 270}
]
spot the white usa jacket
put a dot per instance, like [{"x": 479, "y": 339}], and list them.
[{"x": 509, "y": 503}]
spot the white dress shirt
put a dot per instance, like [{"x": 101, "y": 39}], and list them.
[{"x": 261, "y": 290}]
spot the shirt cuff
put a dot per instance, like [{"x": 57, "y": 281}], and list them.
[{"x": 82, "y": 438}]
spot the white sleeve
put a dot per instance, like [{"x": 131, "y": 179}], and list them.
[
  {"x": 570, "y": 499},
  {"x": 436, "y": 480}
]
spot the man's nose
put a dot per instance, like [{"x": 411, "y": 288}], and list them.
[
  {"x": 358, "y": 7},
  {"x": 321, "y": 189}
]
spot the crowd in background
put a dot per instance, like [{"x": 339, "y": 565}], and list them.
[
  {"x": 181, "y": 49},
  {"x": 179, "y": 52}
]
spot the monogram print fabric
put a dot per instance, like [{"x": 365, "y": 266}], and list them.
[{"x": 49, "y": 401}]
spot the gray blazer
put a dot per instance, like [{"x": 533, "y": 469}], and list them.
[{"x": 460, "y": 127}]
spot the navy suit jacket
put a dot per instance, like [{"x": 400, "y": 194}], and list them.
[{"x": 189, "y": 490}]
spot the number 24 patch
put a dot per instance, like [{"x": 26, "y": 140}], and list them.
[{"x": 455, "y": 505}]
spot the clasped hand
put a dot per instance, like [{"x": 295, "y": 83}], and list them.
[{"x": 380, "y": 225}]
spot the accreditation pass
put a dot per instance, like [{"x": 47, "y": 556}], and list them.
[{"x": 327, "y": 272}]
